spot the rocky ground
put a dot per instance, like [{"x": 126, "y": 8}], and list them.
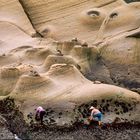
[
  {"x": 131, "y": 133},
  {"x": 123, "y": 132}
]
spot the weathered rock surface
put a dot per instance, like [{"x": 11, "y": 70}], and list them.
[
  {"x": 65, "y": 91},
  {"x": 53, "y": 18},
  {"x": 4, "y": 132},
  {"x": 12, "y": 13},
  {"x": 72, "y": 39},
  {"x": 120, "y": 47}
]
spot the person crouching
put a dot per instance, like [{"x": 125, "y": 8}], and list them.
[
  {"x": 40, "y": 112},
  {"x": 95, "y": 113}
]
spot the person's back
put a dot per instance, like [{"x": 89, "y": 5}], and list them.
[
  {"x": 95, "y": 113},
  {"x": 39, "y": 109},
  {"x": 40, "y": 112}
]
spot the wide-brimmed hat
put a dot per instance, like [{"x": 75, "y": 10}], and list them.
[{"x": 91, "y": 108}]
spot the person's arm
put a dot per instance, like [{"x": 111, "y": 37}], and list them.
[
  {"x": 91, "y": 115},
  {"x": 37, "y": 112}
]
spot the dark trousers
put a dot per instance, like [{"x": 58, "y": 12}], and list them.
[
  {"x": 42, "y": 113},
  {"x": 39, "y": 117}
]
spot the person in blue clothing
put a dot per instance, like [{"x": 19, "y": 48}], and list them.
[{"x": 95, "y": 113}]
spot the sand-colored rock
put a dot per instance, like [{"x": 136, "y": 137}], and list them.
[
  {"x": 11, "y": 12},
  {"x": 13, "y": 37},
  {"x": 59, "y": 17},
  {"x": 67, "y": 89},
  {"x": 76, "y": 39},
  {"x": 117, "y": 22},
  {"x": 8, "y": 59},
  {"x": 9, "y": 76},
  {"x": 122, "y": 51},
  {"x": 119, "y": 45},
  {"x": 122, "y": 59},
  {"x": 52, "y": 59}
]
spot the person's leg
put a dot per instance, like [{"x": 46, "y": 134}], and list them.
[
  {"x": 42, "y": 113},
  {"x": 99, "y": 122},
  {"x": 99, "y": 116},
  {"x": 37, "y": 117},
  {"x": 41, "y": 117}
]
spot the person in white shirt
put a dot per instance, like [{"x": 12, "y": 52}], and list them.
[
  {"x": 40, "y": 112},
  {"x": 95, "y": 113}
]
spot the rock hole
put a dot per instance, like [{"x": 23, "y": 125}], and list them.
[
  {"x": 103, "y": 100},
  {"x": 113, "y": 15},
  {"x": 93, "y": 13},
  {"x": 60, "y": 113},
  {"x": 117, "y": 113}
]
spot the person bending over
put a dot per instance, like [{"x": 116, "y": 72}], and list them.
[
  {"x": 95, "y": 113},
  {"x": 40, "y": 112}
]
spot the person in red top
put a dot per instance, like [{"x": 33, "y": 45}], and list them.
[{"x": 95, "y": 113}]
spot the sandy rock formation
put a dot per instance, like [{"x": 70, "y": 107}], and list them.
[
  {"x": 64, "y": 16},
  {"x": 116, "y": 22},
  {"x": 9, "y": 76},
  {"x": 70, "y": 94},
  {"x": 13, "y": 37},
  {"x": 13, "y": 14},
  {"x": 122, "y": 59},
  {"x": 73, "y": 39},
  {"x": 119, "y": 48},
  {"x": 52, "y": 59}
]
